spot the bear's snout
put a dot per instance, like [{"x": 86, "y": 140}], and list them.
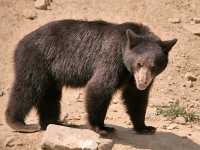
[{"x": 143, "y": 78}]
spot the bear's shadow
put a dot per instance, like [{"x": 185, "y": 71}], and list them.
[{"x": 158, "y": 141}]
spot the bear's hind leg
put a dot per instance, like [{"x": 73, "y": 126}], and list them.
[
  {"x": 48, "y": 106},
  {"x": 20, "y": 103}
]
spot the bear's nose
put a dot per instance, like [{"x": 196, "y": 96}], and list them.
[{"x": 140, "y": 64}]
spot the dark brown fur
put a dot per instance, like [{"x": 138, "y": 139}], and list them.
[{"x": 77, "y": 54}]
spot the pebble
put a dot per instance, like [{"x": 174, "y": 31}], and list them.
[
  {"x": 193, "y": 28},
  {"x": 42, "y": 4},
  {"x": 189, "y": 134},
  {"x": 190, "y": 76},
  {"x": 164, "y": 127},
  {"x": 172, "y": 126},
  {"x": 29, "y": 14},
  {"x": 80, "y": 97},
  {"x": 180, "y": 120},
  {"x": 128, "y": 123},
  {"x": 105, "y": 144},
  {"x": 174, "y": 20},
  {"x": 115, "y": 110},
  {"x": 66, "y": 118},
  {"x": 184, "y": 137},
  {"x": 196, "y": 20},
  {"x": 188, "y": 84},
  {"x": 12, "y": 141},
  {"x": 77, "y": 118},
  {"x": 2, "y": 93},
  {"x": 115, "y": 102}
]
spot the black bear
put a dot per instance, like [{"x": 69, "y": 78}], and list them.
[{"x": 98, "y": 55}]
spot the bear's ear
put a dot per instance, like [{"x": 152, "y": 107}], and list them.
[
  {"x": 132, "y": 38},
  {"x": 167, "y": 45}
]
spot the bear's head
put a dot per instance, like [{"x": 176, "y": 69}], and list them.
[{"x": 145, "y": 58}]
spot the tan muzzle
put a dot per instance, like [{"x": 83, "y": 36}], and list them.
[{"x": 143, "y": 78}]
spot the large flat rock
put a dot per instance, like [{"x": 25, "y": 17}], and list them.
[{"x": 65, "y": 138}]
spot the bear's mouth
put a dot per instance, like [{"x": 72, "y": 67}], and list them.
[{"x": 143, "y": 78}]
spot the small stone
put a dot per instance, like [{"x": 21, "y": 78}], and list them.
[
  {"x": 184, "y": 137},
  {"x": 193, "y": 28},
  {"x": 192, "y": 22},
  {"x": 42, "y": 4},
  {"x": 115, "y": 102},
  {"x": 129, "y": 123},
  {"x": 164, "y": 127},
  {"x": 115, "y": 110},
  {"x": 9, "y": 142},
  {"x": 66, "y": 115},
  {"x": 180, "y": 120},
  {"x": 77, "y": 118},
  {"x": 189, "y": 134},
  {"x": 29, "y": 14},
  {"x": 174, "y": 20},
  {"x": 65, "y": 118},
  {"x": 188, "y": 84},
  {"x": 80, "y": 97},
  {"x": 12, "y": 141},
  {"x": 2, "y": 93},
  {"x": 105, "y": 144},
  {"x": 196, "y": 127},
  {"x": 190, "y": 77},
  {"x": 59, "y": 138},
  {"x": 196, "y": 20},
  {"x": 172, "y": 126}
]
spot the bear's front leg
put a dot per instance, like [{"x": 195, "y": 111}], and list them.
[
  {"x": 136, "y": 103},
  {"x": 98, "y": 96}
]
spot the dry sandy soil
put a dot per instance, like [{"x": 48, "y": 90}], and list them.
[{"x": 171, "y": 85}]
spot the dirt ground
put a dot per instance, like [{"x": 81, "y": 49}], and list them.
[{"x": 171, "y": 85}]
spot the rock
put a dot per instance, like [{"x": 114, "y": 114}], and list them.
[
  {"x": 77, "y": 118},
  {"x": 128, "y": 123},
  {"x": 59, "y": 138},
  {"x": 184, "y": 137},
  {"x": 197, "y": 127},
  {"x": 80, "y": 97},
  {"x": 164, "y": 127},
  {"x": 189, "y": 134},
  {"x": 196, "y": 20},
  {"x": 114, "y": 110},
  {"x": 2, "y": 93},
  {"x": 29, "y": 14},
  {"x": 172, "y": 126},
  {"x": 105, "y": 144},
  {"x": 174, "y": 20},
  {"x": 115, "y": 102},
  {"x": 193, "y": 28},
  {"x": 9, "y": 142},
  {"x": 180, "y": 120},
  {"x": 12, "y": 141},
  {"x": 188, "y": 84},
  {"x": 65, "y": 118},
  {"x": 42, "y": 4},
  {"x": 190, "y": 77}
]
